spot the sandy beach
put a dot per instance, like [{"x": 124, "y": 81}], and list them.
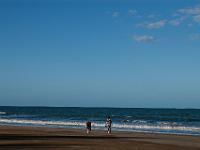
[{"x": 29, "y": 138}]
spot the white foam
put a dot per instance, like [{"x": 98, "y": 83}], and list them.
[
  {"x": 40, "y": 122},
  {"x": 125, "y": 126},
  {"x": 157, "y": 127},
  {"x": 2, "y": 113}
]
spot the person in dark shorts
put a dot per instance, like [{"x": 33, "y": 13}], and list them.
[
  {"x": 88, "y": 127},
  {"x": 108, "y": 124}
]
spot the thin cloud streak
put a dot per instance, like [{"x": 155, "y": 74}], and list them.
[
  {"x": 115, "y": 14},
  {"x": 153, "y": 25},
  {"x": 177, "y": 21},
  {"x": 132, "y": 12},
  {"x": 197, "y": 18},
  {"x": 143, "y": 38},
  {"x": 190, "y": 11}
]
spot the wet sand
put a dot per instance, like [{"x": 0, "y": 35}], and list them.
[{"x": 41, "y": 138}]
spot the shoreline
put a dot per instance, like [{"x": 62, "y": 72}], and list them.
[
  {"x": 97, "y": 129},
  {"x": 26, "y": 137}
]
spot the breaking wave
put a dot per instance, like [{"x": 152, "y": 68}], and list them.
[
  {"x": 2, "y": 113},
  {"x": 100, "y": 125}
]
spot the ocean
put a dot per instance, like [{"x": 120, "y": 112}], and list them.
[{"x": 169, "y": 121}]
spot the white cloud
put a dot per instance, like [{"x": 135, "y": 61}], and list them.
[
  {"x": 156, "y": 25},
  {"x": 115, "y": 14},
  {"x": 190, "y": 11},
  {"x": 153, "y": 25},
  {"x": 197, "y": 18},
  {"x": 177, "y": 21},
  {"x": 132, "y": 12},
  {"x": 143, "y": 38},
  {"x": 195, "y": 36}
]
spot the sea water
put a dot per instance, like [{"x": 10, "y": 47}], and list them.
[{"x": 170, "y": 121}]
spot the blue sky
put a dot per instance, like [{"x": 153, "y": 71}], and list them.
[{"x": 113, "y": 53}]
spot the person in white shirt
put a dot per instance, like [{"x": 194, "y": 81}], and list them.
[{"x": 108, "y": 124}]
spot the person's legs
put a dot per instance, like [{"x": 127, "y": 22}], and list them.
[
  {"x": 109, "y": 129},
  {"x": 88, "y": 130}
]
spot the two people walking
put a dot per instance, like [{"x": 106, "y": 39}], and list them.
[{"x": 108, "y": 124}]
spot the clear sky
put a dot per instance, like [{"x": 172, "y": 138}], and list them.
[{"x": 113, "y": 53}]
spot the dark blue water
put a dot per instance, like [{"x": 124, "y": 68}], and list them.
[{"x": 173, "y": 121}]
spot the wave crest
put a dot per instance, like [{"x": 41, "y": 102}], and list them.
[
  {"x": 100, "y": 125},
  {"x": 2, "y": 113}
]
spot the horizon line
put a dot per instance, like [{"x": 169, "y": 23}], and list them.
[{"x": 97, "y": 107}]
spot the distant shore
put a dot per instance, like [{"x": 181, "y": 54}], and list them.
[{"x": 13, "y": 138}]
